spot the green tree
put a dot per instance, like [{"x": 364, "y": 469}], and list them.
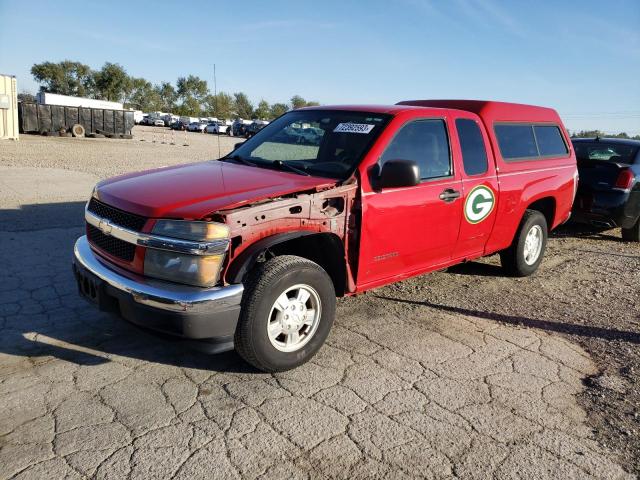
[
  {"x": 142, "y": 95},
  {"x": 278, "y": 109},
  {"x": 167, "y": 96},
  {"x": 298, "y": 102},
  {"x": 190, "y": 107},
  {"x": 26, "y": 97},
  {"x": 219, "y": 106},
  {"x": 263, "y": 111},
  {"x": 191, "y": 91},
  {"x": 242, "y": 106},
  {"x": 65, "y": 78},
  {"x": 112, "y": 82}
]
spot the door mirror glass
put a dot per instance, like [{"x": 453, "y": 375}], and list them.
[{"x": 399, "y": 173}]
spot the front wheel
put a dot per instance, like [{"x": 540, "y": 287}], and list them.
[
  {"x": 632, "y": 234},
  {"x": 287, "y": 311},
  {"x": 525, "y": 254}
]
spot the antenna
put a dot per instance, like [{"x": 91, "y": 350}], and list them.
[{"x": 215, "y": 104}]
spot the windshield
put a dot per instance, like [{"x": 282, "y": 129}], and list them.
[
  {"x": 608, "y": 152},
  {"x": 314, "y": 142}
]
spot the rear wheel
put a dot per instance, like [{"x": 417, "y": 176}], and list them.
[
  {"x": 525, "y": 254},
  {"x": 632, "y": 234},
  {"x": 288, "y": 308}
]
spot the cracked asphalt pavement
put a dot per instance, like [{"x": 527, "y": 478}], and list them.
[{"x": 400, "y": 390}]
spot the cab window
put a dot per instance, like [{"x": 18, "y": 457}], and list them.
[
  {"x": 474, "y": 152},
  {"x": 425, "y": 142}
]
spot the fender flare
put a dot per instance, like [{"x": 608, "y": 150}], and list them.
[{"x": 243, "y": 262}]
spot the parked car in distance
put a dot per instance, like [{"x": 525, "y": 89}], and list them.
[
  {"x": 255, "y": 127},
  {"x": 187, "y": 120},
  {"x": 178, "y": 126},
  {"x": 609, "y": 188},
  {"x": 239, "y": 128},
  {"x": 170, "y": 119},
  {"x": 251, "y": 251},
  {"x": 217, "y": 127},
  {"x": 157, "y": 122},
  {"x": 197, "y": 126}
]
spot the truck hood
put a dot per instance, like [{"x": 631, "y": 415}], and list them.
[{"x": 193, "y": 191}]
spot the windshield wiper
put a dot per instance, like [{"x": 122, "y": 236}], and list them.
[
  {"x": 239, "y": 159},
  {"x": 291, "y": 168}
]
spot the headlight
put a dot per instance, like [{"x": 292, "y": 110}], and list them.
[
  {"x": 198, "y": 270},
  {"x": 191, "y": 230}
]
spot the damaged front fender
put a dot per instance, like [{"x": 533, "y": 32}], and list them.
[{"x": 258, "y": 227}]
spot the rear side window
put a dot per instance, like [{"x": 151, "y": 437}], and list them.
[
  {"x": 549, "y": 140},
  {"x": 474, "y": 153},
  {"x": 518, "y": 141},
  {"x": 426, "y": 143}
]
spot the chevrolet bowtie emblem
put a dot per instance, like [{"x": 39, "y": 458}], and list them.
[{"x": 105, "y": 227}]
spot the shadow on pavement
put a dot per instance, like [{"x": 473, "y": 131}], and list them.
[
  {"x": 42, "y": 314},
  {"x": 568, "y": 328},
  {"x": 96, "y": 342},
  {"x": 41, "y": 216}
]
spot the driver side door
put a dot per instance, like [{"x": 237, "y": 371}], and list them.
[{"x": 408, "y": 230}]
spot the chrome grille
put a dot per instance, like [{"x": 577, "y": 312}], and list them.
[
  {"x": 113, "y": 246},
  {"x": 119, "y": 217}
]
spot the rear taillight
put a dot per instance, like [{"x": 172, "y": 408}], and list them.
[{"x": 625, "y": 179}]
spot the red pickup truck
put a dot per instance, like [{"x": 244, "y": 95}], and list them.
[{"x": 251, "y": 250}]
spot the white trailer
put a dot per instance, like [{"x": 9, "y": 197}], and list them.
[
  {"x": 138, "y": 115},
  {"x": 187, "y": 120},
  {"x": 45, "y": 98}
]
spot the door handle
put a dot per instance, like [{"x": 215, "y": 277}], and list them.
[{"x": 449, "y": 195}]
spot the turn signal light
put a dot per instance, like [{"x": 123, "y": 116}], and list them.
[{"x": 625, "y": 179}]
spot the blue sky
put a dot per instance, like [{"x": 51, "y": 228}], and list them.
[{"x": 580, "y": 57}]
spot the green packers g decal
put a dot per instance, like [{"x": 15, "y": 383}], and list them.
[{"x": 479, "y": 204}]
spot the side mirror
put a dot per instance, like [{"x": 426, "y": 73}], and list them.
[
  {"x": 237, "y": 145},
  {"x": 399, "y": 173}
]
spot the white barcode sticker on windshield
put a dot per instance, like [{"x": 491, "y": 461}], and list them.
[{"x": 353, "y": 128}]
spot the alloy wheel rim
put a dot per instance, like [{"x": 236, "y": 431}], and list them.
[
  {"x": 533, "y": 245},
  {"x": 294, "y": 318}
]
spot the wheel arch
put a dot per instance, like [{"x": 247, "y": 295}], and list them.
[
  {"x": 324, "y": 248},
  {"x": 546, "y": 206}
]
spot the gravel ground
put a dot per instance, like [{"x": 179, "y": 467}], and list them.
[
  {"x": 463, "y": 373},
  {"x": 105, "y": 157}
]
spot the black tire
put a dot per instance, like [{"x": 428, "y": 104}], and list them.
[
  {"x": 632, "y": 234},
  {"x": 513, "y": 258},
  {"x": 264, "y": 284}
]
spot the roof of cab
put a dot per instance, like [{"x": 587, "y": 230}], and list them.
[
  {"x": 491, "y": 111},
  {"x": 389, "y": 109}
]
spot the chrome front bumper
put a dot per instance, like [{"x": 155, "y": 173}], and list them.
[{"x": 186, "y": 311}]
